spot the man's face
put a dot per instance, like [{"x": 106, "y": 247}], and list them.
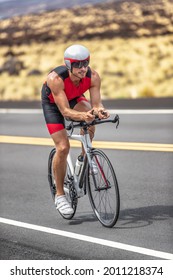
[{"x": 80, "y": 68}]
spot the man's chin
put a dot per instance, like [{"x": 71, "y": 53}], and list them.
[{"x": 82, "y": 74}]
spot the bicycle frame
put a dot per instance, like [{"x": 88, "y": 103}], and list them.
[{"x": 87, "y": 145}]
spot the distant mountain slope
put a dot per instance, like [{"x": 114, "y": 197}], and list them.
[
  {"x": 132, "y": 18},
  {"x": 10, "y": 8}
]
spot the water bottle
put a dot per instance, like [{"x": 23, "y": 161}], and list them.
[{"x": 78, "y": 166}]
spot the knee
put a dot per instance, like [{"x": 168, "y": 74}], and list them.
[
  {"x": 91, "y": 131},
  {"x": 83, "y": 106},
  {"x": 62, "y": 149}
]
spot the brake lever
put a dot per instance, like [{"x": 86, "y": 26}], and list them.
[
  {"x": 69, "y": 127},
  {"x": 116, "y": 120}
]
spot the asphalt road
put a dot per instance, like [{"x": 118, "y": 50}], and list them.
[{"x": 146, "y": 190}]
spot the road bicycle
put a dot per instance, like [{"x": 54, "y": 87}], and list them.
[{"x": 97, "y": 176}]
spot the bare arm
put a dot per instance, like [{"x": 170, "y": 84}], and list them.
[
  {"x": 96, "y": 97},
  {"x": 56, "y": 85}
]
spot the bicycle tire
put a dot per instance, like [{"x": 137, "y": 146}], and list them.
[
  {"x": 103, "y": 189},
  {"x": 69, "y": 188}
]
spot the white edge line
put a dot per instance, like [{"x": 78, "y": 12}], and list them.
[
  {"x": 140, "y": 111},
  {"x": 20, "y": 111},
  {"x": 112, "y": 111},
  {"x": 103, "y": 242}
]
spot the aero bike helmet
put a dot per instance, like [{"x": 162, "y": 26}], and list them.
[{"x": 75, "y": 53}]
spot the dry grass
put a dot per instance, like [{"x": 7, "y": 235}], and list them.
[
  {"x": 138, "y": 67},
  {"x": 131, "y": 45}
]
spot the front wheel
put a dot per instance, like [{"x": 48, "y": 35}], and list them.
[
  {"x": 103, "y": 189},
  {"x": 69, "y": 189}
]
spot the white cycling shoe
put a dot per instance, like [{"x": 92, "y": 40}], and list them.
[{"x": 63, "y": 206}]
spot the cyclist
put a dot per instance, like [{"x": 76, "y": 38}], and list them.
[{"x": 63, "y": 97}]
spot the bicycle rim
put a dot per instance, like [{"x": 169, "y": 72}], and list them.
[
  {"x": 69, "y": 189},
  {"x": 50, "y": 174},
  {"x": 103, "y": 189}
]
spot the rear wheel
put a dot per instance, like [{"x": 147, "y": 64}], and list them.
[
  {"x": 69, "y": 189},
  {"x": 103, "y": 189}
]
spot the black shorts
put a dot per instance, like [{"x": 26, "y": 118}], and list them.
[{"x": 53, "y": 117}]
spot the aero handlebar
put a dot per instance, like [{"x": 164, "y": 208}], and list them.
[{"x": 97, "y": 121}]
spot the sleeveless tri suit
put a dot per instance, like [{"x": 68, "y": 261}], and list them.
[{"x": 53, "y": 117}]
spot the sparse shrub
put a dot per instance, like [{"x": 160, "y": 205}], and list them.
[
  {"x": 147, "y": 91},
  {"x": 121, "y": 67}
]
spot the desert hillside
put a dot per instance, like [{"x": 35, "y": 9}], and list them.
[{"x": 131, "y": 46}]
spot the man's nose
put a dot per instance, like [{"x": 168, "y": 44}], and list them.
[{"x": 83, "y": 67}]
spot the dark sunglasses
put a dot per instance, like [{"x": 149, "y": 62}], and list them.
[{"x": 80, "y": 64}]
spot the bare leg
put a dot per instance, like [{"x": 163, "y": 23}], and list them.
[{"x": 60, "y": 160}]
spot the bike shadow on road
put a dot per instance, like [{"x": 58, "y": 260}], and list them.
[
  {"x": 83, "y": 218},
  {"x": 144, "y": 216},
  {"x": 131, "y": 218}
]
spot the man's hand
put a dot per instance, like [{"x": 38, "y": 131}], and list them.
[
  {"x": 101, "y": 113},
  {"x": 89, "y": 117}
]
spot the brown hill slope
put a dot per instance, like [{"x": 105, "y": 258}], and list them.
[
  {"x": 132, "y": 18},
  {"x": 130, "y": 41}
]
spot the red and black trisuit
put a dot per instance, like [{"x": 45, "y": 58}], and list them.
[{"x": 54, "y": 119}]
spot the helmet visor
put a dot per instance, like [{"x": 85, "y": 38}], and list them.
[{"x": 80, "y": 64}]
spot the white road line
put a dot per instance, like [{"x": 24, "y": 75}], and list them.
[
  {"x": 141, "y": 111},
  {"x": 20, "y": 111},
  {"x": 112, "y": 111},
  {"x": 103, "y": 242}
]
